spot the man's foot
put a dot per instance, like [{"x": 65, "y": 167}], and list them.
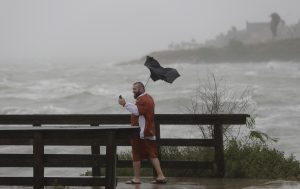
[
  {"x": 159, "y": 181},
  {"x": 132, "y": 181}
]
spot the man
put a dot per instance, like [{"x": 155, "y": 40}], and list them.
[{"x": 142, "y": 115}]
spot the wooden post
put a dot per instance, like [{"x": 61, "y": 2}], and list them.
[
  {"x": 95, "y": 150},
  {"x": 111, "y": 161},
  {"x": 219, "y": 150},
  {"x": 38, "y": 161}
]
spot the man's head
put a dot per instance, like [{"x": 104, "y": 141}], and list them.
[{"x": 138, "y": 89}]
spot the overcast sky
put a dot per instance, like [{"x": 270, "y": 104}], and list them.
[{"x": 125, "y": 29}]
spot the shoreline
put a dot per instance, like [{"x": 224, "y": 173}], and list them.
[{"x": 235, "y": 52}]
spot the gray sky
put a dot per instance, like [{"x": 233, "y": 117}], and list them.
[{"x": 113, "y": 30}]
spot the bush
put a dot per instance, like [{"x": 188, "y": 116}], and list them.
[{"x": 259, "y": 161}]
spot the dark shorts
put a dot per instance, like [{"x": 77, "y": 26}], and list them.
[{"x": 143, "y": 149}]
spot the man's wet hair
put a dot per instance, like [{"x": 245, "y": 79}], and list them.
[{"x": 140, "y": 84}]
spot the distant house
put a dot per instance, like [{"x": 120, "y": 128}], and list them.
[
  {"x": 255, "y": 32},
  {"x": 257, "y": 27},
  {"x": 258, "y": 32}
]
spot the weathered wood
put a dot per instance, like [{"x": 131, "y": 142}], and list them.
[
  {"x": 16, "y": 181},
  {"x": 16, "y": 160},
  {"x": 38, "y": 161},
  {"x": 54, "y": 181},
  {"x": 96, "y": 170},
  {"x": 170, "y": 164},
  {"x": 66, "y": 132},
  {"x": 75, "y": 181},
  {"x": 71, "y": 119},
  {"x": 219, "y": 150},
  {"x": 201, "y": 119},
  {"x": 111, "y": 160},
  {"x": 95, "y": 137},
  {"x": 74, "y": 160},
  {"x": 117, "y": 119},
  {"x": 186, "y": 142},
  {"x": 102, "y": 142}
]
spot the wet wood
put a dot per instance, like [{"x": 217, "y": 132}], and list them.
[
  {"x": 38, "y": 160},
  {"x": 117, "y": 119},
  {"x": 219, "y": 150},
  {"x": 95, "y": 149},
  {"x": 93, "y": 130},
  {"x": 111, "y": 160},
  {"x": 171, "y": 164}
]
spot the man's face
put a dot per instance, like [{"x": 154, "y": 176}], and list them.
[{"x": 137, "y": 91}]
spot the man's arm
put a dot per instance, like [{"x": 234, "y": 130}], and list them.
[{"x": 132, "y": 108}]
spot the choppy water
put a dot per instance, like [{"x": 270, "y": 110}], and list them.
[{"x": 94, "y": 88}]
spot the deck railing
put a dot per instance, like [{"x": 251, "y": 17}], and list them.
[{"x": 96, "y": 159}]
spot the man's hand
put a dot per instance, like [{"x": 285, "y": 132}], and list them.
[{"x": 122, "y": 101}]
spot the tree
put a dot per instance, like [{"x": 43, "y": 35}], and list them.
[
  {"x": 214, "y": 97},
  {"x": 275, "y": 20},
  {"x": 247, "y": 154}
]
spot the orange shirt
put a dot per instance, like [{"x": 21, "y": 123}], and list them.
[{"x": 145, "y": 105}]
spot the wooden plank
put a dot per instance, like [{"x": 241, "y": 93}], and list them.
[
  {"x": 72, "y": 119},
  {"x": 82, "y": 141},
  {"x": 63, "y": 142},
  {"x": 117, "y": 119},
  {"x": 16, "y": 141},
  {"x": 16, "y": 160},
  {"x": 75, "y": 181},
  {"x": 56, "y": 135},
  {"x": 53, "y": 160},
  {"x": 219, "y": 151},
  {"x": 74, "y": 160},
  {"x": 170, "y": 164},
  {"x": 79, "y": 141},
  {"x": 186, "y": 142},
  {"x": 38, "y": 163},
  {"x": 16, "y": 181},
  {"x": 201, "y": 119},
  {"x": 101, "y": 142}
]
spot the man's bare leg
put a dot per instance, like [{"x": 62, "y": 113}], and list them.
[
  {"x": 156, "y": 165},
  {"x": 137, "y": 171}
]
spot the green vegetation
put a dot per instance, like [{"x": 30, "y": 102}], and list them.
[
  {"x": 254, "y": 160},
  {"x": 259, "y": 161},
  {"x": 235, "y": 51},
  {"x": 242, "y": 160}
]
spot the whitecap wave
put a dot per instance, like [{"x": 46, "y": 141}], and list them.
[{"x": 48, "y": 109}]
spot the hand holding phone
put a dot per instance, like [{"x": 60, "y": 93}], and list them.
[{"x": 122, "y": 100}]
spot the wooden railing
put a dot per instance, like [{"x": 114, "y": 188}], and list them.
[{"x": 95, "y": 160}]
